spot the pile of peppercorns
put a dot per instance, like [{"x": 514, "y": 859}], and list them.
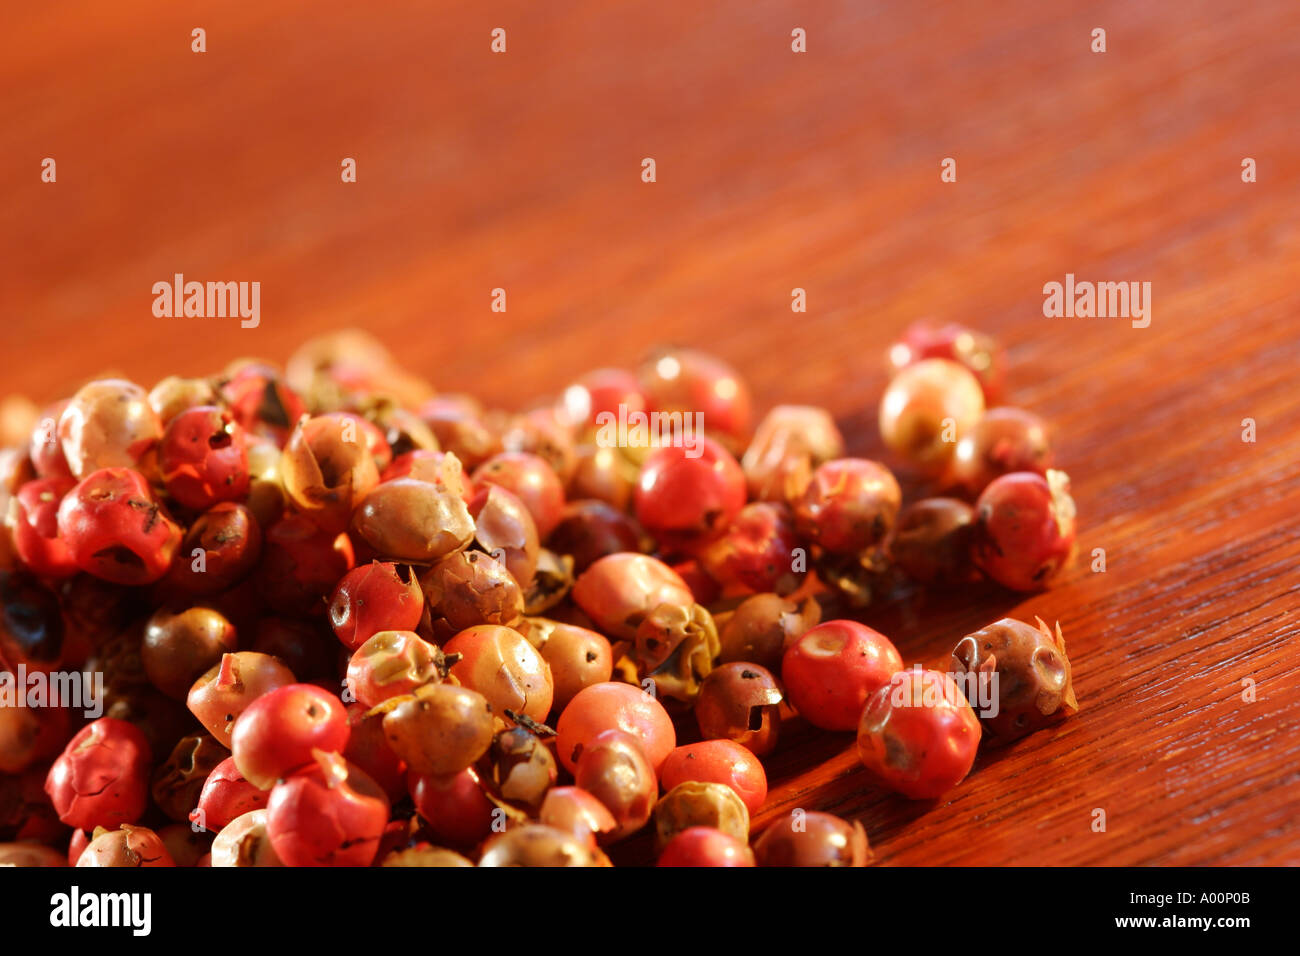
[{"x": 339, "y": 619}]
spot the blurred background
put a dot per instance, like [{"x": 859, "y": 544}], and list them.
[{"x": 775, "y": 170}]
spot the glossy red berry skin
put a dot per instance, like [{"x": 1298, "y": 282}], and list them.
[
  {"x": 262, "y": 402},
  {"x": 1024, "y": 533},
  {"x": 850, "y": 505},
  {"x": 116, "y": 530},
  {"x": 614, "y": 706},
  {"x": 705, "y": 846},
  {"x": 833, "y": 668},
  {"x": 226, "y": 795},
  {"x": 717, "y": 761},
  {"x": 687, "y": 491},
  {"x": 688, "y": 380},
  {"x": 1005, "y": 440},
  {"x": 756, "y": 553},
  {"x": 379, "y": 596},
  {"x": 532, "y": 480},
  {"x": 978, "y": 352},
  {"x": 301, "y": 564},
  {"x": 277, "y": 732},
  {"x": 328, "y": 813},
  {"x": 34, "y": 522},
  {"x": 102, "y": 777},
  {"x": 204, "y": 458},
  {"x": 918, "y": 734},
  {"x": 601, "y": 391},
  {"x": 455, "y": 809}
]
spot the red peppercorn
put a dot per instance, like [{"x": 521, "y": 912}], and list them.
[
  {"x": 576, "y": 811},
  {"x": 832, "y": 669},
  {"x": 327, "y": 814},
  {"x": 688, "y": 380},
  {"x": 390, "y": 664},
  {"x": 614, "y": 706},
  {"x": 368, "y": 749},
  {"x": 689, "y": 490},
  {"x": 31, "y": 734},
  {"x": 126, "y": 846},
  {"x": 756, "y": 553},
  {"x": 926, "y": 410},
  {"x": 741, "y": 702},
  {"x": 619, "y": 590},
  {"x": 327, "y": 469},
  {"x": 849, "y": 505},
  {"x": 932, "y": 541},
  {"x": 1024, "y": 529},
  {"x": 301, "y": 564},
  {"x": 788, "y": 444},
  {"x": 277, "y": 732},
  {"x": 204, "y": 458},
  {"x": 705, "y": 846},
  {"x": 1004, "y": 440},
  {"x": 717, "y": 761},
  {"x": 603, "y": 390},
  {"x": 225, "y": 796},
  {"x": 219, "y": 550},
  {"x": 578, "y": 657},
  {"x": 590, "y": 529},
  {"x": 380, "y": 596},
  {"x": 102, "y": 777},
  {"x": 500, "y": 664},
  {"x": 613, "y": 768},
  {"x": 975, "y": 350},
  {"x": 108, "y": 424},
  {"x": 116, "y": 530},
  {"x": 455, "y": 808},
  {"x": 219, "y": 697},
  {"x": 918, "y": 734},
  {"x": 262, "y": 402},
  {"x": 33, "y": 520},
  {"x": 532, "y": 480},
  {"x": 430, "y": 466}
]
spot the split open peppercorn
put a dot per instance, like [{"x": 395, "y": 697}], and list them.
[
  {"x": 328, "y": 813},
  {"x": 102, "y": 777}
]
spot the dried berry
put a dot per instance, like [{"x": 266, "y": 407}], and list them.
[{"x": 1033, "y": 683}]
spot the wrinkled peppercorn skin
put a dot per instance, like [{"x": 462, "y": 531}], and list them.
[{"x": 1034, "y": 682}]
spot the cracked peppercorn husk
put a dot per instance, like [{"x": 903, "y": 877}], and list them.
[
  {"x": 1034, "y": 684},
  {"x": 469, "y": 588},
  {"x": 675, "y": 647},
  {"x": 698, "y": 803},
  {"x": 178, "y": 782}
]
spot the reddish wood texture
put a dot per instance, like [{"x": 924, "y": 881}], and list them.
[{"x": 775, "y": 171}]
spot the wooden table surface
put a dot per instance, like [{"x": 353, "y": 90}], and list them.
[{"x": 775, "y": 170}]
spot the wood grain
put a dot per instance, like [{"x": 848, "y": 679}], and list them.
[{"x": 775, "y": 171}]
